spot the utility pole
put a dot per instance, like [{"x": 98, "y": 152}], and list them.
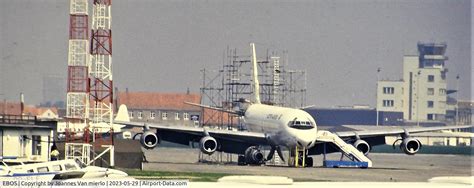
[
  {"x": 376, "y": 98},
  {"x": 417, "y": 99},
  {"x": 457, "y": 100}
]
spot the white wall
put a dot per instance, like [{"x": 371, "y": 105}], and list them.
[
  {"x": 418, "y": 110},
  {"x": 13, "y": 144},
  {"x": 397, "y": 96}
]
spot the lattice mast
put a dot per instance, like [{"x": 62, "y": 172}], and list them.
[
  {"x": 100, "y": 83},
  {"x": 77, "y": 109}
]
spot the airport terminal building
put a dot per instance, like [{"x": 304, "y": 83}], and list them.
[{"x": 421, "y": 94}]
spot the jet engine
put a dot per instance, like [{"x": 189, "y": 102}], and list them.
[
  {"x": 410, "y": 145},
  {"x": 254, "y": 156},
  {"x": 149, "y": 140},
  {"x": 362, "y": 146},
  {"x": 208, "y": 145}
]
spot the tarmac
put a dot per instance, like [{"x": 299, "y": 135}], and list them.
[{"x": 386, "y": 167}]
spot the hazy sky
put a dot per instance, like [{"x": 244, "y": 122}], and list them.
[{"x": 162, "y": 45}]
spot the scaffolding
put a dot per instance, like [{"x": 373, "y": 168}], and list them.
[{"x": 226, "y": 87}]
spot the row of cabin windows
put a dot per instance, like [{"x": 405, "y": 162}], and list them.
[
  {"x": 164, "y": 115},
  {"x": 56, "y": 168}
]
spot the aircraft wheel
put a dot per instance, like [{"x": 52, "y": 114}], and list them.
[
  {"x": 241, "y": 160},
  {"x": 309, "y": 162}
]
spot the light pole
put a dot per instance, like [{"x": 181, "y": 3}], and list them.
[
  {"x": 417, "y": 99},
  {"x": 376, "y": 98},
  {"x": 457, "y": 99}
]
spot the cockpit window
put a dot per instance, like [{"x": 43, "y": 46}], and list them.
[{"x": 300, "y": 124}]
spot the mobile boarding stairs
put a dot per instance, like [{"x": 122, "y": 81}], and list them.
[{"x": 358, "y": 158}]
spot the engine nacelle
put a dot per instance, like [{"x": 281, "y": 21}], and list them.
[
  {"x": 410, "y": 145},
  {"x": 362, "y": 146},
  {"x": 254, "y": 156},
  {"x": 149, "y": 140},
  {"x": 208, "y": 145}
]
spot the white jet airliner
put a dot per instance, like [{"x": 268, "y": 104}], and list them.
[{"x": 276, "y": 127}]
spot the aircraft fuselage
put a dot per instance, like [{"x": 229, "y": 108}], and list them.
[{"x": 283, "y": 126}]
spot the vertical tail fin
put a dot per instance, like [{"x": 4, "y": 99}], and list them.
[
  {"x": 256, "y": 84},
  {"x": 122, "y": 114}
]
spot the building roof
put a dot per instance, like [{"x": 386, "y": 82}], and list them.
[
  {"x": 36, "y": 111},
  {"x": 211, "y": 116},
  {"x": 10, "y": 108},
  {"x": 14, "y": 108},
  {"x": 155, "y": 100}
]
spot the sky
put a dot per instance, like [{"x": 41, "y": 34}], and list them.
[{"x": 161, "y": 45}]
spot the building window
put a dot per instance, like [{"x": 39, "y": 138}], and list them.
[
  {"x": 442, "y": 91},
  {"x": 388, "y": 90},
  {"x": 140, "y": 115},
  {"x": 164, "y": 115},
  {"x": 430, "y": 104},
  {"x": 130, "y": 114},
  {"x": 185, "y": 116},
  {"x": 430, "y": 117},
  {"x": 430, "y": 78},
  {"x": 152, "y": 115},
  {"x": 176, "y": 116},
  {"x": 430, "y": 91},
  {"x": 387, "y": 103},
  {"x": 36, "y": 145}
]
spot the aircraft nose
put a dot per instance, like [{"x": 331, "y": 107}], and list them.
[{"x": 306, "y": 142}]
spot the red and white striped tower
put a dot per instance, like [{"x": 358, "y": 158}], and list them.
[
  {"x": 100, "y": 69},
  {"x": 77, "y": 81}
]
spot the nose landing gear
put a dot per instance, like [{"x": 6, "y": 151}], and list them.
[{"x": 299, "y": 158}]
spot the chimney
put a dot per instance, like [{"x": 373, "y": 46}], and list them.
[{"x": 22, "y": 104}]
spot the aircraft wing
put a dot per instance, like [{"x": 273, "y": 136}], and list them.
[
  {"x": 366, "y": 131},
  {"x": 376, "y": 135},
  {"x": 229, "y": 141}
]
